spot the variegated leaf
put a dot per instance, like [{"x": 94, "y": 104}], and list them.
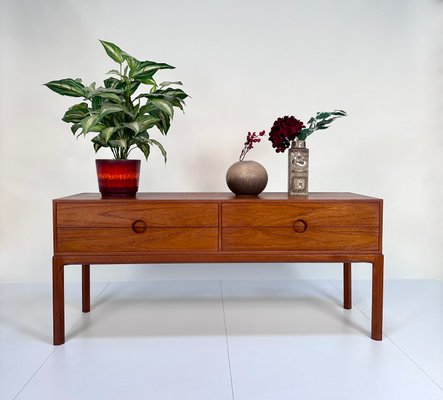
[
  {"x": 133, "y": 126},
  {"x": 158, "y": 144},
  {"x": 113, "y": 51},
  {"x": 164, "y": 106},
  {"x": 75, "y": 128},
  {"x": 113, "y": 72},
  {"x": 88, "y": 122},
  {"x": 107, "y": 133},
  {"x": 167, "y": 83},
  {"x": 175, "y": 93},
  {"x": 133, "y": 63},
  {"x": 109, "y": 96},
  {"x": 76, "y": 113},
  {"x": 146, "y": 122},
  {"x": 110, "y": 108},
  {"x": 146, "y": 69},
  {"x": 67, "y": 87},
  {"x": 118, "y": 143}
]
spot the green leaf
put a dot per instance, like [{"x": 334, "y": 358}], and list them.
[
  {"x": 107, "y": 133},
  {"x": 175, "y": 93},
  {"x": 111, "y": 82},
  {"x": 147, "y": 108},
  {"x": 97, "y": 103},
  {"x": 88, "y": 122},
  {"x": 147, "y": 80},
  {"x": 113, "y": 51},
  {"x": 122, "y": 142},
  {"x": 97, "y": 128},
  {"x": 109, "y": 96},
  {"x": 134, "y": 87},
  {"x": 76, "y": 113},
  {"x": 91, "y": 87},
  {"x": 133, "y": 63},
  {"x": 327, "y": 121},
  {"x": 142, "y": 142},
  {"x": 164, "y": 123},
  {"x": 142, "y": 123},
  {"x": 340, "y": 113},
  {"x": 99, "y": 142},
  {"x": 116, "y": 90},
  {"x": 67, "y": 87},
  {"x": 147, "y": 121},
  {"x": 164, "y": 106},
  {"x": 146, "y": 69},
  {"x": 160, "y": 147},
  {"x": 304, "y": 133},
  {"x": 167, "y": 83},
  {"x": 145, "y": 149},
  {"x": 110, "y": 108},
  {"x": 133, "y": 126},
  {"x": 322, "y": 115},
  {"x": 75, "y": 128},
  {"x": 114, "y": 72}
]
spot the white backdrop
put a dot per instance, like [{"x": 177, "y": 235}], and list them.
[{"x": 244, "y": 63}]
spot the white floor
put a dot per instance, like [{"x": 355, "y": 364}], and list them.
[{"x": 210, "y": 340}]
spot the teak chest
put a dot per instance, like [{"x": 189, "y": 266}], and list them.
[{"x": 217, "y": 227}]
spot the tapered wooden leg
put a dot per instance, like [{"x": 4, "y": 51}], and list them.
[
  {"x": 58, "y": 301},
  {"x": 347, "y": 286},
  {"x": 86, "y": 288},
  {"x": 377, "y": 298}
]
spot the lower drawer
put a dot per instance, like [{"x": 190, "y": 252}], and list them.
[
  {"x": 314, "y": 239},
  {"x": 125, "y": 240}
]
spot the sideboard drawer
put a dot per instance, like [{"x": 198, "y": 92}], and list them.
[
  {"x": 124, "y": 214},
  {"x": 314, "y": 238},
  {"x": 126, "y": 240},
  {"x": 299, "y": 226},
  {"x": 314, "y": 214}
]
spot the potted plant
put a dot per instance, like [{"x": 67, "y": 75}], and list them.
[{"x": 120, "y": 117}]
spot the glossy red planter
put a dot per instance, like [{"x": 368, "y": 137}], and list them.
[{"x": 118, "y": 178}]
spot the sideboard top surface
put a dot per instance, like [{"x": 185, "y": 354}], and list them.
[{"x": 226, "y": 196}]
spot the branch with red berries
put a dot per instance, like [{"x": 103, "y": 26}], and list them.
[{"x": 251, "y": 138}]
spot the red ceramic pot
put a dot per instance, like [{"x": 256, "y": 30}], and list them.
[{"x": 118, "y": 178}]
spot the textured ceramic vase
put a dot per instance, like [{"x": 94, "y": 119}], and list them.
[
  {"x": 298, "y": 169},
  {"x": 247, "y": 178},
  {"x": 118, "y": 178}
]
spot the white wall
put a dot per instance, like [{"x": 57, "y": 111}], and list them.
[{"x": 244, "y": 64}]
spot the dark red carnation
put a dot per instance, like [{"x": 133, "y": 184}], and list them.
[{"x": 284, "y": 131}]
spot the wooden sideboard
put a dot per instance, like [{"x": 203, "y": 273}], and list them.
[{"x": 217, "y": 227}]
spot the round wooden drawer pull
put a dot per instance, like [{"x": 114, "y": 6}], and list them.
[
  {"x": 300, "y": 226},
  {"x": 139, "y": 226}
]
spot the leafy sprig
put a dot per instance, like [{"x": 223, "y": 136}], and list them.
[{"x": 321, "y": 121}]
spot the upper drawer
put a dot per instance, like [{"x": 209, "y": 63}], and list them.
[
  {"x": 313, "y": 213},
  {"x": 124, "y": 214}
]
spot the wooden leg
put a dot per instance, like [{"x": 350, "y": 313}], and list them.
[
  {"x": 86, "y": 288},
  {"x": 377, "y": 298},
  {"x": 347, "y": 286},
  {"x": 58, "y": 301}
]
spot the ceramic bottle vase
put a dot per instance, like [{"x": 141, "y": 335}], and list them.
[{"x": 298, "y": 169}]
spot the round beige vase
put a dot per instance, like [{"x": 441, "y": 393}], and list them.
[{"x": 246, "y": 178}]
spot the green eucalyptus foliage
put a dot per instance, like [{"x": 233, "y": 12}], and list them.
[
  {"x": 120, "y": 118},
  {"x": 320, "y": 121}
]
